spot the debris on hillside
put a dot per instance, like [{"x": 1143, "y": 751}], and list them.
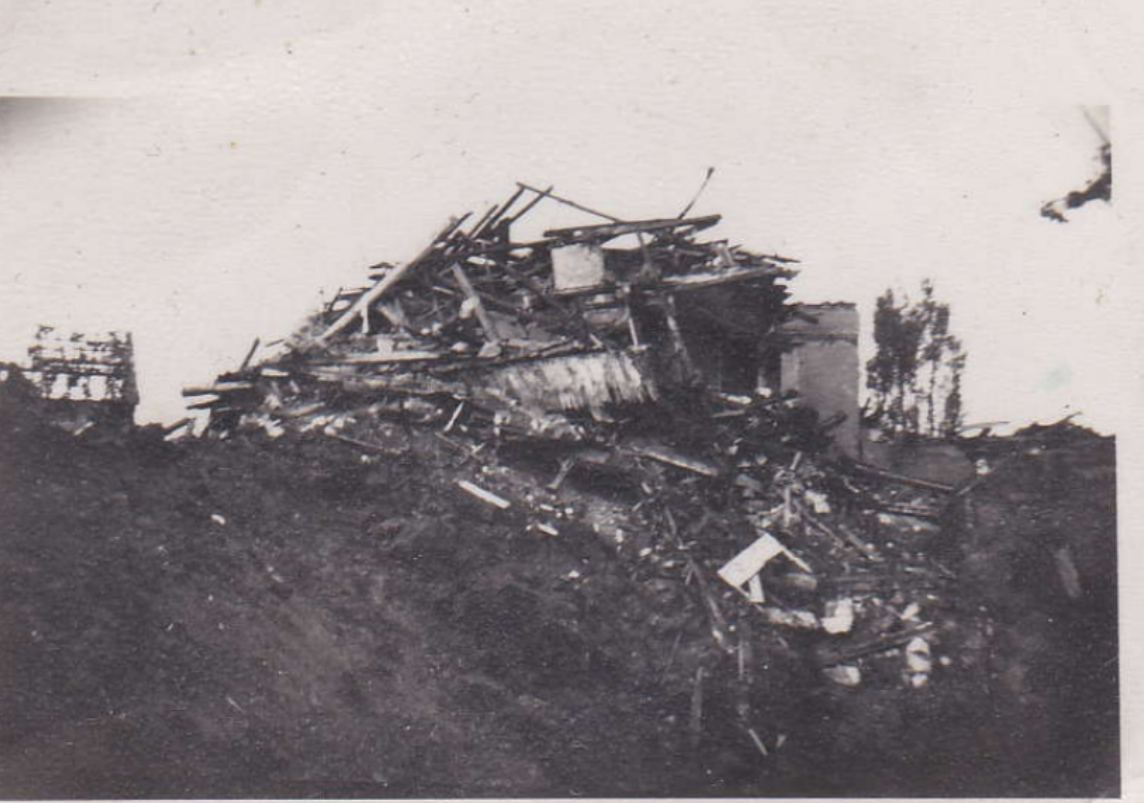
[
  {"x": 616, "y": 389},
  {"x": 573, "y": 384},
  {"x": 568, "y": 480}
]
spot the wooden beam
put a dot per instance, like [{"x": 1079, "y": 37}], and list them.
[
  {"x": 215, "y": 390},
  {"x": 478, "y": 305},
  {"x": 903, "y": 479},
  {"x": 484, "y": 495},
  {"x": 540, "y": 196},
  {"x": 620, "y": 228},
  {"x": 390, "y": 279},
  {"x": 382, "y": 359},
  {"x": 480, "y": 223},
  {"x": 572, "y": 204},
  {"x": 249, "y": 354},
  {"x": 482, "y": 230}
]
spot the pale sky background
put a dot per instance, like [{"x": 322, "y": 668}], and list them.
[{"x": 199, "y": 173}]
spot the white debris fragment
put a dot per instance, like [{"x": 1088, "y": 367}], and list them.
[
  {"x": 801, "y": 620},
  {"x": 918, "y": 663},
  {"x": 751, "y": 560},
  {"x": 844, "y": 675},
  {"x": 817, "y": 501},
  {"x": 218, "y": 519},
  {"x": 918, "y": 655},
  {"x": 839, "y": 616},
  {"x": 755, "y": 590}
]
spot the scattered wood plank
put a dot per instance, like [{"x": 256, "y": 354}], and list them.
[
  {"x": 874, "y": 471},
  {"x": 670, "y": 457},
  {"x": 384, "y": 359},
  {"x": 485, "y": 496},
  {"x": 929, "y": 514},
  {"x": 750, "y": 561},
  {"x": 218, "y": 389},
  {"x": 758, "y": 742}
]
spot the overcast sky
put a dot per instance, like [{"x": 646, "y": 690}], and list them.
[{"x": 200, "y": 173}]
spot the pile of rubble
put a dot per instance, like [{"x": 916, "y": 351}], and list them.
[{"x": 575, "y": 385}]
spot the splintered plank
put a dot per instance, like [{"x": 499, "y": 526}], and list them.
[
  {"x": 218, "y": 389},
  {"x": 662, "y": 454},
  {"x": 487, "y": 497},
  {"x": 391, "y": 278},
  {"x": 478, "y": 305}
]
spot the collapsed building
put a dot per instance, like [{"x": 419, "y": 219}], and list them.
[
  {"x": 556, "y": 335},
  {"x": 633, "y": 390},
  {"x": 79, "y": 380}
]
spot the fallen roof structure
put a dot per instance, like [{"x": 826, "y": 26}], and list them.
[{"x": 569, "y": 323}]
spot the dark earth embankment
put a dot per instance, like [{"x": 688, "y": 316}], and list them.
[{"x": 295, "y": 618}]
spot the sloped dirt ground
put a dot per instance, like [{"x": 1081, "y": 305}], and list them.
[{"x": 295, "y": 618}]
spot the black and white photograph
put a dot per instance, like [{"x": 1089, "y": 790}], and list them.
[{"x": 568, "y": 400}]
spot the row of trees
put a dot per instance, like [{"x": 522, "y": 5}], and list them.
[{"x": 914, "y": 377}]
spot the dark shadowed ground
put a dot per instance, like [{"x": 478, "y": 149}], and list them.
[{"x": 252, "y": 618}]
